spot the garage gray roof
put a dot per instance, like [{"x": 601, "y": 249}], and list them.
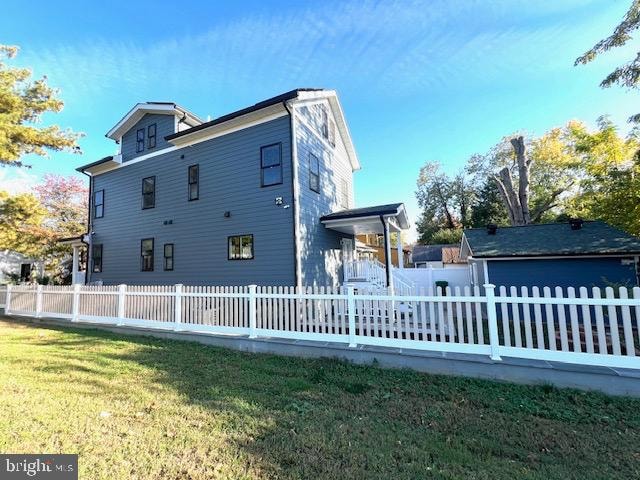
[{"x": 551, "y": 239}]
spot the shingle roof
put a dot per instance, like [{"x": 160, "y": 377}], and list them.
[
  {"x": 258, "y": 106},
  {"x": 551, "y": 239},
  {"x": 93, "y": 164},
  {"x": 428, "y": 253}
]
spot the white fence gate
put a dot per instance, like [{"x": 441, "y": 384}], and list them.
[{"x": 588, "y": 327}]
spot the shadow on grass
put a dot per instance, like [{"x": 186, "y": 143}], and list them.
[{"x": 298, "y": 418}]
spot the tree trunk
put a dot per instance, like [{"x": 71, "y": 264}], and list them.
[
  {"x": 524, "y": 165},
  {"x": 517, "y": 203}
]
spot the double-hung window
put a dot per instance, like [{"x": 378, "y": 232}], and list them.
[
  {"x": 194, "y": 182},
  {"x": 98, "y": 204},
  {"x": 271, "y": 165},
  {"x": 146, "y": 255},
  {"x": 148, "y": 192},
  {"x": 168, "y": 256},
  {"x": 96, "y": 258},
  {"x": 240, "y": 247},
  {"x": 140, "y": 140},
  {"x": 151, "y": 136},
  {"x": 314, "y": 173}
]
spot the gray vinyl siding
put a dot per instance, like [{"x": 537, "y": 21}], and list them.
[
  {"x": 321, "y": 247},
  {"x": 229, "y": 181},
  {"x": 564, "y": 272},
  {"x": 165, "y": 125}
]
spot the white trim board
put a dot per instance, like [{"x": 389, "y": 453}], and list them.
[{"x": 163, "y": 151}]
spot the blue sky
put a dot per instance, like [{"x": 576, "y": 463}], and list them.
[{"x": 419, "y": 81}]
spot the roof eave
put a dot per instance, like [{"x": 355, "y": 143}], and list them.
[{"x": 131, "y": 117}]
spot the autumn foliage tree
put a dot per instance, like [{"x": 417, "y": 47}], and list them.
[{"x": 33, "y": 223}]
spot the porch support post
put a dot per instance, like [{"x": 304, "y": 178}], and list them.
[
  {"x": 75, "y": 265},
  {"x": 387, "y": 251},
  {"x": 399, "y": 250}
]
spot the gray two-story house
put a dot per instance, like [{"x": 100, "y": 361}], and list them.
[{"x": 263, "y": 195}]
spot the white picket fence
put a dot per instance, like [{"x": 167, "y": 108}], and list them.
[{"x": 590, "y": 326}]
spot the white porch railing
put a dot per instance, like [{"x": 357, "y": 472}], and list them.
[
  {"x": 372, "y": 271},
  {"x": 583, "y": 327}
]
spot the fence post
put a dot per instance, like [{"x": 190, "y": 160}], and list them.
[
  {"x": 122, "y": 298},
  {"x": 75, "y": 303},
  {"x": 492, "y": 320},
  {"x": 177, "y": 313},
  {"x": 252, "y": 311},
  {"x": 351, "y": 312},
  {"x": 7, "y": 302},
  {"x": 39, "y": 301}
]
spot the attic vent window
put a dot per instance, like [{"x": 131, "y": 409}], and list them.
[
  {"x": 492, "y": 228},
  {"x": 151, "y": 136},
  {"x": 576, "y": 223},
  {"x": 140, "y": 140}
]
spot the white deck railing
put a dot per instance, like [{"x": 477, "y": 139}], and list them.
[
  {"x": 375, "y": 273},
  {"x": 591, "y": 327}
]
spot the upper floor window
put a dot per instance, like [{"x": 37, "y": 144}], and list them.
[
  {"x": 146, "y": 255},
  {"x": 151, "y": 136},
  {"x": 314, "y": 173},
  {"x": 96, "y": 258},
  {"x": 344, "y": 193},
  {"x": 148, "y": 192},
  {"x": 324, "y": 126},
  {"x": 271, "y": 165},
  {"x": 98, "y": 204},
  {"x": 194, "y": 182},
  {"x": 241, "y": 247},
  {"x": 168, "y": 256},
  {"x": 140, "y": 140}
]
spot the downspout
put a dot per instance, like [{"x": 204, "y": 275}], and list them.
[
  {"x": 87, "y": 268},
  {"x": 387, "y": 250},
  {"x": 293, "y": 148}
]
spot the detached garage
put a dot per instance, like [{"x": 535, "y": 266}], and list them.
[{"x": 574, "y": 254}]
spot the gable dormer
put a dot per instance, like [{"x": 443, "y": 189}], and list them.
[{"x": 144, "y": 128}]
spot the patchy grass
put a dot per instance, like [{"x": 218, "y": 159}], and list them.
[{"x": 144, "y": 408}]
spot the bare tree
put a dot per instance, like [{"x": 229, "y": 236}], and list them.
[{"x": 517, "y": 202}]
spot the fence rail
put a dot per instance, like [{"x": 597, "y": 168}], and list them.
[{"x": 587, "y": 326}]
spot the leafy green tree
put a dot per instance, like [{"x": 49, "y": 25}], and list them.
[
  {"x": 445, "y": 200},
  {"x": 627, "y": 75},
  {"x": 22, "y": 104},
  {"x": 530, "y": 175},
  {"x": 488, "y": 207},
  {"x": 22, "y": 228},
  {"x": 610, "y": 175},
  {"x": 33, "y": 223},
  {"x": 446, "y": 236}
]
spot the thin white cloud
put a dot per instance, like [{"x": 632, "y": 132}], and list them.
[
  {"x": 402, "y": 46},
  {"x": 16, "y": 180}
]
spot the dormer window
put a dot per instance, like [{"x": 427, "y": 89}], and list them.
[
  {"x": 140, "y": 140},
  {"x": 151, "y": 136}
]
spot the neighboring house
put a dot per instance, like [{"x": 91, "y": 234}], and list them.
[
  {"x": 373, "y": 244},
  {"x": 245, "y": 198},
  {"x": 15, "y": 266},
  {"x": 574, "y": 254},
  {"x": 436, "y": 256}
]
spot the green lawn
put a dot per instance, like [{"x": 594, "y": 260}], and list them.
[{"x": 143, "y": 408}]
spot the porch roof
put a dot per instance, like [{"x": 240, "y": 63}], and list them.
[{"x": 368, "y": 219}]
